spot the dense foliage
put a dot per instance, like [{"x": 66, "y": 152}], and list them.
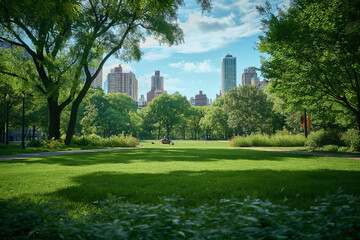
[
  {"x": 332, "y": 217},
  {"x": 314, "y": 51},
  {"x": 113, "y": 141},
  {"x": 334, "y": 140},
  {"x": 268, "y": 141},
  {"x": 248, "y": 109},
  {"x": 91, "y": 140}
]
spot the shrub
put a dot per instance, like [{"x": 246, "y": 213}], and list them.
[
  {"x": 283, "y": 132},
  {"x": 35, "y": 143},
  {"x": 2, "y": 145},
  {"x": 240, "y": 142},
  {"x": 351, "y": 139},
  {"x": 287, "y": 140},
  {"x": 321, "y": 138},
  {"x": 54, "y": 144},
  {"x": 266, "y": 141},
  {"x": 332, "y": 217},
  {"x": 330, "y": 148},
  {"x": 343, "y": 149},
  {"x": 80, "y": 141},
  {"x": 97, "y": 141}
]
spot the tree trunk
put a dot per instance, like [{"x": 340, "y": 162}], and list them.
[
  {"x": 54, "y": 119},
  {"x": 358, "y": 120},
  {"x": 168, "y": 132},
  {"x": 74, "y": 110},
  {"x": 149, "y": 133},
  {"x": 2, "y": 135},
  {"x": 33, "y": 133},
  {"x": 159, "y": 132}
]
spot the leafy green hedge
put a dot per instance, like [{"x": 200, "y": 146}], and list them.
[
  {"x": 89, "y": 140},
  {"x": 113, "y": 141},
  {"x": 332, "y": 140},
  {"x": 267, "y": 141},
  {"x": 333, "y": 217}
]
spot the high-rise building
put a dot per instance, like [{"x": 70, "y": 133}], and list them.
[
  {"x": 248, "y": 74},
  {"x": 228, "y": 73},
  {"x": 142, "y": 101},
  {"x": 98, "y": 80},
  {"x": 157, "y": 86},
  {"x": 192, "y": 101},
  {"x": 157, "y": 81},
  {"x": 119, "y": 82},
  {"x": 200, "y": 99},
  {"x": 106, "y": 86}
]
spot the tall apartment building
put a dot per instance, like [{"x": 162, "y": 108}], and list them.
[
  {"x": 228, "y": 73},
  {"x": 142, "y": 101},
  {"x": 201, "y": 99},
  {"x": 98, "y": 80},
  {"x": 157, "y": 86},
  {"x": 248, "y": 74},
  {"x": 119, "y": 82}
]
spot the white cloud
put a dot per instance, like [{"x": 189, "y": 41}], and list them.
[
  {"x": 205, "y": 33},
  {"x": 204, "y": 66},
  {"x": 171, "y": 85},
  {"x": 157, "y": 53}
]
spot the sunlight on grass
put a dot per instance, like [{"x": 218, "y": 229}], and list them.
[{"x": 197, "y": 172}]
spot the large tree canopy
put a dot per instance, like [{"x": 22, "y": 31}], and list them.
[
  {"x": 63, "y": 39},
  {"x": 314, "y": 49},
  {"x": 248, "y": 109},
  {"x": 169, "y": 109}
]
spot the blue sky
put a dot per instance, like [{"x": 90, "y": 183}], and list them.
[{"x": 232, "y": 27}]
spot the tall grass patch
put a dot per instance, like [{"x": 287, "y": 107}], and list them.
[
  {"x": 268, "y": 141},
  {"x": 113, "y": 141}
]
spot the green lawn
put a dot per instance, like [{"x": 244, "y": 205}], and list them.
[
  {"x": 16, "y": 149},
  {"x": 198, "y": 172}
]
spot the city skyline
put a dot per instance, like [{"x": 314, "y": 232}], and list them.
[{"x": 232, "y": 27}]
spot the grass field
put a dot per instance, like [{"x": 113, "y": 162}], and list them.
[
  {"x": 198, "y": 172},
  {"x": 16, "y": 149}
]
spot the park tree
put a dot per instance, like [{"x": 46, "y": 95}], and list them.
[
  {"x": 62, "y": 39},
  {"x": 314, "y": 54},
  {"x": 168, "y": 110},
  {"x": 195, "y": 115},
  {"x": 215, "y": 123},
  {"x": 86, "y": 122},
  {"x": 35, "y": 107},
  {"x": 148, "y": 122},
  {"x": 248, "y": 109},
  {"x": 116, "y": 118},
  {"x": 134, "y": 127}
]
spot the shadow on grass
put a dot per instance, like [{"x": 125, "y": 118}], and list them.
[
  {"x": 160, "y": 155},
  {"x": 298, "y": 188}
]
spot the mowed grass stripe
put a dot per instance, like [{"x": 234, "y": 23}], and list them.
[{"x": 196, "y": 172}]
